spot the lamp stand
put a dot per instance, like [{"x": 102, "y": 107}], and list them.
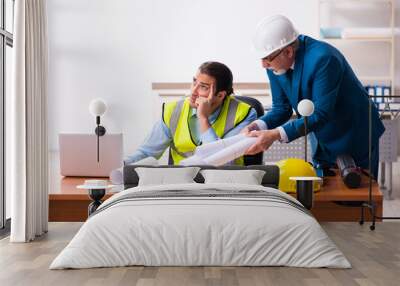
[
  {"x": 305, "y": 138},
  {"x": 100, "y": 131}
]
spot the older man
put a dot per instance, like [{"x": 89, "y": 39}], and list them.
[
  {"x": 210, "y": 113},
  {"x": 300, "y": 67}
]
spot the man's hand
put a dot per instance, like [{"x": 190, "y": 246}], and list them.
[
  {"x": 251, "y": 127},
  {"x": 205, "y": 105},
  {"x": 203, "y": 108},
  {"x": 265, "y": 138}
]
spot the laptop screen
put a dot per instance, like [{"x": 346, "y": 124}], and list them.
[{"x": 78, "y": 154}]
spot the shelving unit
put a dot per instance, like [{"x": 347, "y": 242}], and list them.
[
  {"x": 388, "y": 142},
  {"x": 365, "y": 39},
  {"x": 341, "y": 42}
]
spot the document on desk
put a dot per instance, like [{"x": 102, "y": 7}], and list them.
[{"x": 220, "y": 152}]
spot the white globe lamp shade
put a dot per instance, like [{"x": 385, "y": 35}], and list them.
[
  {"x": 97, "y": 107},
  {"x": 305, "y": 107}
]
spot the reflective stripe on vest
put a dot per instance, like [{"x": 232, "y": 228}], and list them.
[{"x": 230, "y": 120}]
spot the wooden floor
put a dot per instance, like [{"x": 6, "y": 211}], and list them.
[{"x": 375, "y": 256}]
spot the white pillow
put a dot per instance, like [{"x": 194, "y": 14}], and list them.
[
  {"x": 248, "y": 177},
  {"x": 166, "y": 176},
  {"x": 117, "y": 175}
]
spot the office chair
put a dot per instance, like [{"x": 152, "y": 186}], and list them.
[{"x": 256, "y": 159}]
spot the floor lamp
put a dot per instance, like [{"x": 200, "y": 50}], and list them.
[
  {"x": 304, "y": 185},
  {"x": 371, "y": 204},
  {"x": 306, "y": 109}
]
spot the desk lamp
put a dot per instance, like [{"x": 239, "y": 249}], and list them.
[{"x": 97, "y": 108}]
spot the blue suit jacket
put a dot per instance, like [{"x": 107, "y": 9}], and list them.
[{"x": 340, "y": 120}]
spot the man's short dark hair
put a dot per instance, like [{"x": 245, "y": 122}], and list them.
[{"x": 222, "y": 74}]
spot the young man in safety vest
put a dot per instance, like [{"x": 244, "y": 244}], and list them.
[{"x": 209, "y": 114}]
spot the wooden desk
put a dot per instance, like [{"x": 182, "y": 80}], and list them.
[
  {"x": 67, "y": 203},
  {"x": 334, "y": 190}
]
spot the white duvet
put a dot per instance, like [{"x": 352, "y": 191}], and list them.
[{"x": 200, "y": 231}]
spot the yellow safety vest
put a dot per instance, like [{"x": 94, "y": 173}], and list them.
[{"x": 176, "y": 117}]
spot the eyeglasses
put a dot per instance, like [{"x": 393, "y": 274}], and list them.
[{"x": 270, "y": 58}]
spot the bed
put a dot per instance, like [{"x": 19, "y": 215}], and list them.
[{"x": 201, "y": 224}]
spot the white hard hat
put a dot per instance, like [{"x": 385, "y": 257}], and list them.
[{"x": 272, "y": 34}]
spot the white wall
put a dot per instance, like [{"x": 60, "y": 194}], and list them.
[{"x": 116, "y": 49}]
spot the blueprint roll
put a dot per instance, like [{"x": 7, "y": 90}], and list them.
[
  {"x": 195, "y": 160},
  {"x": 208, "y": 149},
  {"x": 231, "y": 152},
  {"x": 220, "y": 152}
]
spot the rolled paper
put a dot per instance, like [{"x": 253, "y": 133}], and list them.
[
  {"x": 220, "y": 152},
  {"x": 231, "y": 152},
  {"x": 216, "y": 146},
  {"x": 193, "y": 161}
]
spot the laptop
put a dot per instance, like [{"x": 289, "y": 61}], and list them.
[{"x": 78, "y": 154}]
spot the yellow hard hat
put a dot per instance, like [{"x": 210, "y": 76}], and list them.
[{"x": 294, "y": 167}]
